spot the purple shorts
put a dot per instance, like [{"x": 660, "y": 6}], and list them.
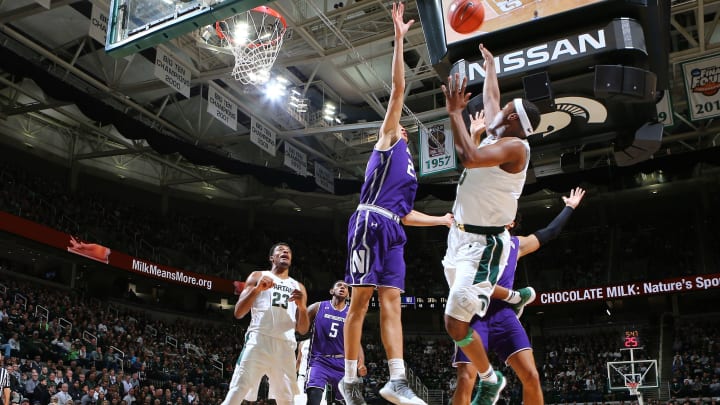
[
  {"x": 500, "y": 331},
  {"x": 325, "y": 370},
  {"x": 375, "y": 251}
]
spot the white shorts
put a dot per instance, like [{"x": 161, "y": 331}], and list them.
[
  {"x": 473, "y": 263},
  {"x": 264, "y": 355}
]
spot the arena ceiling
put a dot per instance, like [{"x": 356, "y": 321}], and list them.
[{"x": 63, "y": 98}]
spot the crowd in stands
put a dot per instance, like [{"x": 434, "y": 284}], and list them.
[
  {"x": 108, "y": 354},
  {"x": 85, "y": 352},
  {"x": 696, "y": 362}
]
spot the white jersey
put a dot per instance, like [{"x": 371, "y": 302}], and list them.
[
  {"x": 488, "y": 196},
  {"x": 272, "y": 314}
]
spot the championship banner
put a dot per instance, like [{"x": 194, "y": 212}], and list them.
[
  {"x": 324, "y": 178},
  {"x": 98, "y": 23},
  {"x": 48, "y": 236},
  {"x": 262, "y": 136},
  {"x": 295, "y": 159},
  {"x": 699, "y": 282},
  {"x": 702, "y": 83},
  {"x": 172, "y": 73},
  {"x": 437, "y": 151},
  {"x": 221, "y": 107},
  {"x": 664, "y": 110}
]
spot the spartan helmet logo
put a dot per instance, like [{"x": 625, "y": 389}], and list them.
[{"x": 569, "y": 109}]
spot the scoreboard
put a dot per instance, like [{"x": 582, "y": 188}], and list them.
[{"x": 409, "y": 301}]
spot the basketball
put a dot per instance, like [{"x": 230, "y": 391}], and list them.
[{"x": 466, "y": 16}]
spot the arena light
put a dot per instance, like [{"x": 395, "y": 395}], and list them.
[{"x": 275, "y": 89}]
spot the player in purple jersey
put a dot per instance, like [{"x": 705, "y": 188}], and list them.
[
  {"x": 376, "y": 239},
  {"x": 500, "y": 328},
  {"x": 326, "y": 358}
]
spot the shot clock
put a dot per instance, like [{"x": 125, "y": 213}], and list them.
[{"x": 631, "y": 339}]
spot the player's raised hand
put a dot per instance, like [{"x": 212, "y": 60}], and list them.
[
  {"x": 455, "y": 96},
  {"x": 401, "y": 27},
  {"x": 576, "y": 195},
  {"x": 477, "y": 123},
  {"x": 489, "y": 59}
]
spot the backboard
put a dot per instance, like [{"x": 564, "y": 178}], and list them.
[
  {"x": 643, "y": 372},
  {"x": 135, "y": 25}
]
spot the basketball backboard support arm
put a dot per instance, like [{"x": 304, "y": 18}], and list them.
[{"x": 154, "y": 28}]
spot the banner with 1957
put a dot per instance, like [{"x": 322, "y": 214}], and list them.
[{"x": 437, "y": 151}]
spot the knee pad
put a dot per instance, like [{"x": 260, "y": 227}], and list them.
[{"x": 465, "y": 302}]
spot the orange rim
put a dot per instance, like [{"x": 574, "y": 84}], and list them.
[{"x": 260, "y": 9}]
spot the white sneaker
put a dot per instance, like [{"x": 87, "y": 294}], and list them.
[
  {"x": 399, "y": 393},
  {"x": 352, "y": 392}
]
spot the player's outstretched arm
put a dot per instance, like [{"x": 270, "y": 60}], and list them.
[
  {"x": 506, "y": 150},
  {"x": 417, "y": 218},
  {"x": 491, "y": 87},
  {"x": 389, "y": 130},
  {"x": 255, "y": 283},
  {"x": 542, "y": 236}
]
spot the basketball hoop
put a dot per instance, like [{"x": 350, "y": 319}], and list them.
[
  {"x": 632, "y": 387},
  {"x": 254, "y": 37}
]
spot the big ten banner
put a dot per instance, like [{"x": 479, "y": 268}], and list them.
[
  {"x": 664, "y": 110},
  {"x": 702, "y": 84},
  {"x": 220, "y": 107},
  {"x": 324, "y": 178},
  {"x": 262, "y": 136},
  {"x": 437, "y": 152},
  {"x": 98, "y": 23},
  {"x": 295, "y": 159},
  {"x": 172, "y": 72}
]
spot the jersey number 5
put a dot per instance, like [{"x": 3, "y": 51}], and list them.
[{"x": 333, "y": 329}]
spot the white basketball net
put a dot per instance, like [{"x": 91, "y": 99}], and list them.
[
  {"x": 254, "y": 37},
  {"x": 632, "y": 387}
]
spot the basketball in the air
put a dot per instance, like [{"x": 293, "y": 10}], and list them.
[{"x": 466, "y": 16}]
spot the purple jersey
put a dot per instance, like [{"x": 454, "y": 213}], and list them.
[
  {"x": 327, "y": 339},
  {"x": 390, "y": 180}
]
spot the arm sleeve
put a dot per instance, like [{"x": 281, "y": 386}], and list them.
[{"x": 553, "y": 229}]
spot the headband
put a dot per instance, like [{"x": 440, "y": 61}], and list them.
[{"x": 524, "y": 120}]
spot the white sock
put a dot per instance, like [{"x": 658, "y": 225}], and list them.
[
  {"x": 397, "y": 369},
  {"x": 489, "y": 376},
  {"x": 513, "y": 297},
  {"x": 350, "y": 371}
]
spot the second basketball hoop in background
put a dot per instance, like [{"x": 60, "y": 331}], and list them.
[
  {"x": 466, "y": 16},
  {"x": 255, "y": 38}
]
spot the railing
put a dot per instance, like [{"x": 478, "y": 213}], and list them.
[
  {"x": 89, "y": 337},
  {"x": 64, "y": 325},
  {"x": 218, "y": 365},
  {"x": 171, "y": 341},
  {"x": 21, "y": 299},
  {"x": 42, "y": 313},
  {"x": 122, "y": 357},
  {"x": 151, "y": 330}
]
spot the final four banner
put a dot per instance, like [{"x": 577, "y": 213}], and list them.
[
  {"x": 702, "y": 84},
  {"x": 437, "y": 151}
]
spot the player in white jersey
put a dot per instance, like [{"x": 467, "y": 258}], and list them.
[
  {"x": 278, "y": 306},
  {"x": 487, "y": 193}
]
